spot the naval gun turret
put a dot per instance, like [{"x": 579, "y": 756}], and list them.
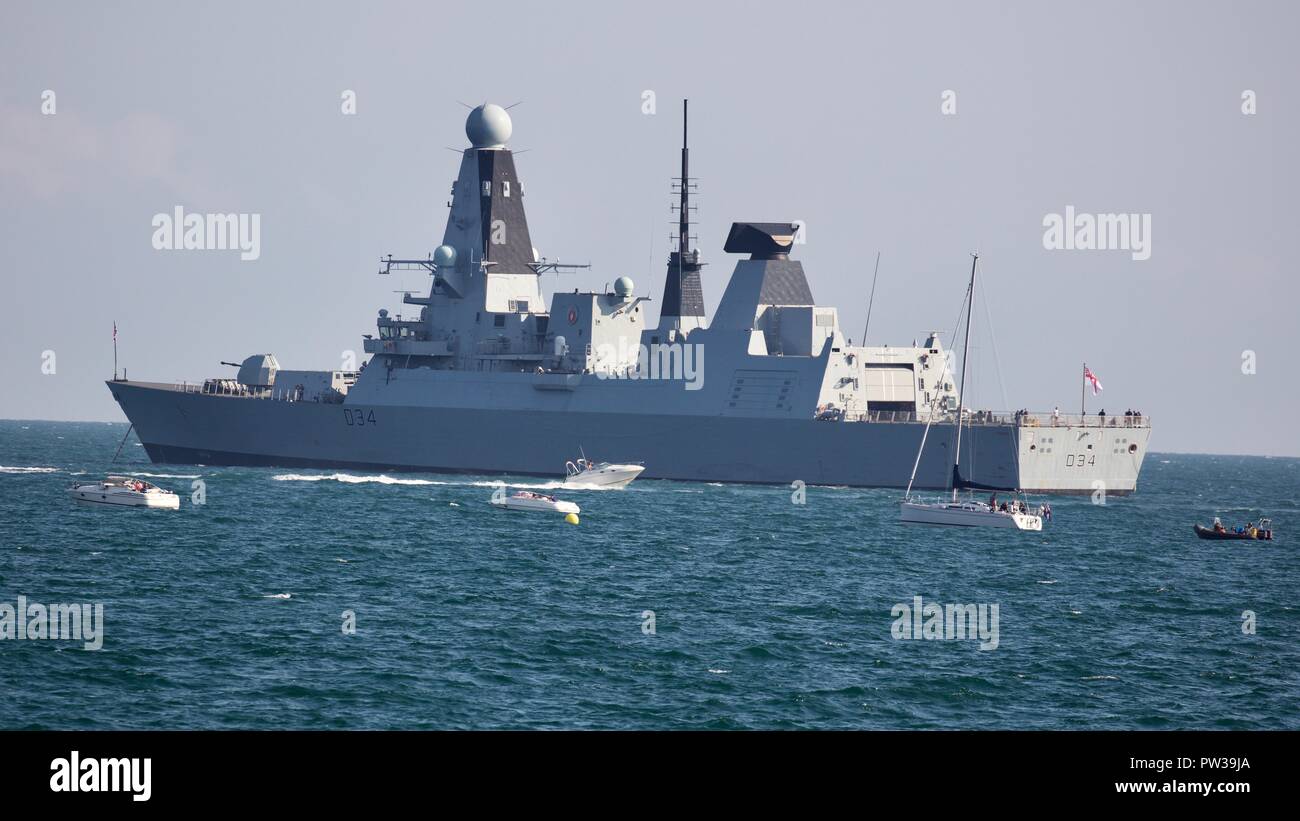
[{"x": 258, "y": 371}]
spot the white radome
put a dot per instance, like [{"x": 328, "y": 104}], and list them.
[
  {"x": 488, "y": 126},
  {"x": 623, "y": 286},
  {"x": 444, "y": 256}
]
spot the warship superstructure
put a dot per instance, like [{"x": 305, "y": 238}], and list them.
[{"x": 481, "y": 376}]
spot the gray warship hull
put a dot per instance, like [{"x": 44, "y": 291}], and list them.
[
  {"x": 180, "y": 426},
  {"x": 487, "y": 378}
]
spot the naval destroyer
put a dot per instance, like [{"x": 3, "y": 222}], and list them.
[{"x": 481, "y": 376}]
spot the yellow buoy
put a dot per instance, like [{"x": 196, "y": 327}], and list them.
[{"x": 571, "y": 518}]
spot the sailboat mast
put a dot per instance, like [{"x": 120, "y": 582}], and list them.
[{"x": 965, "y": 356}]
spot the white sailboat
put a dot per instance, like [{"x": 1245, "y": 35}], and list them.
[{"x": 968, "y": 513}]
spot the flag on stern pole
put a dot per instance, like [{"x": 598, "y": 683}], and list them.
[{"x": 1092, "y": 377}]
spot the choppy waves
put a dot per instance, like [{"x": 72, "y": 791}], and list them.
[{"x": 674, "y": 605}]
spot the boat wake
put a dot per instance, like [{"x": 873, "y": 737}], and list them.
[
  {"x": 167, "y": 475},
  {"x": 382, "y": 479},
  {"x": 7, "y": 469},
  {"x": 350, "y": 479}
]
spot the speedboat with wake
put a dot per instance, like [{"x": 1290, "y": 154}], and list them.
[
  {"x": 586, "y": 473},
  {"x": 124, "y": 491},
  {"x": 970, "y": 513},
  {"x": 527, "y": 500}
]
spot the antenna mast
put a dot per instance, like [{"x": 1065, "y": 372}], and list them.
[
  {"x": 683, "y": 223},
  {"x": 683, "y": 307},
  {"x": 871, "y": 301}
]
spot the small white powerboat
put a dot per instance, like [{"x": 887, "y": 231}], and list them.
[
  {"x": 585, "y": 473},
  {"x": 527, "y": 500},
  {"x": 124, "y": 491}
]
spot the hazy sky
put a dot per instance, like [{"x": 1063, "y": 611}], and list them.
[{"x": 824, "y": 112}]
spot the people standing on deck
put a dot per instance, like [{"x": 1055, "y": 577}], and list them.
[
  {"x": 1056, "y": 416},
  {"x": 1101, "y": 417}
]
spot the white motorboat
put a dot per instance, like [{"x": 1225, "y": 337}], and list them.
[
  {"x": 969, "y": 514},
  {"x": 124, "y": 491},
  {"x": 954, "y": 512},
  {"x": 527, "y": 500},
  {"x": 585, "y": 473}
]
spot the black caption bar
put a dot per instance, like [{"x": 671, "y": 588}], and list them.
[{"x": 263, "y": 770}]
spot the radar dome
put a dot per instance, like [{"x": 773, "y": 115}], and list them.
[
  {"x": 488, "y": 126},
  {"x": 444, "y": 256},
  {"x": 623, "y": 286}
]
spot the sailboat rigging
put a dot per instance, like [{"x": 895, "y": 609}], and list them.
[{"x": 968, "y": 513}]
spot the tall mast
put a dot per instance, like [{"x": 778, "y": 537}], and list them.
[
  {"x": 682, "y": 309},
  {"x": 683, "y": 223},
  {"x": 961, "y": 397}
]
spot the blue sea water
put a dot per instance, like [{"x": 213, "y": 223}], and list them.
[{"x": 767, "y": 614}]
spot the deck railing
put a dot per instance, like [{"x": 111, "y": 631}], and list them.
[
  {"x": 237, "y": 391},
  {"x": 1028, "y": 420},
  {"x": 1048, "y": 420}
]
